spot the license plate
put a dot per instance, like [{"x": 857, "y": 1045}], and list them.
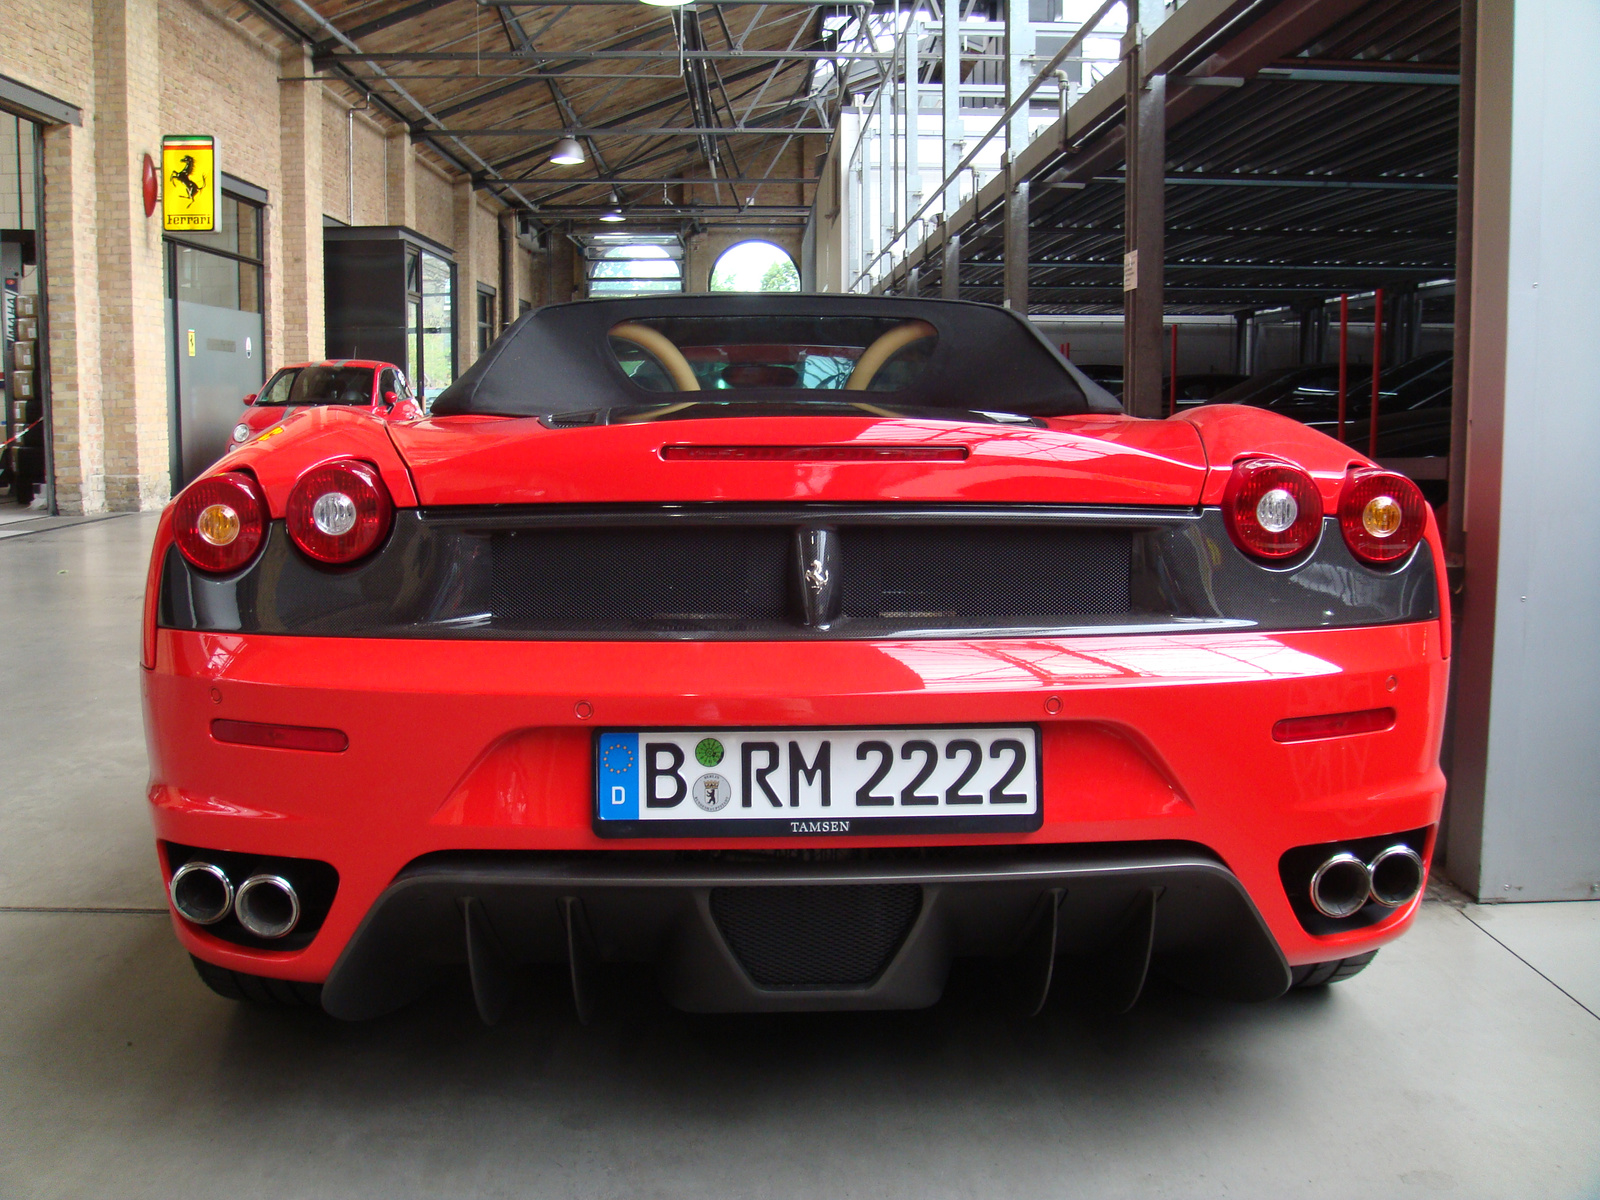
[{"x": 803, "y": 782}]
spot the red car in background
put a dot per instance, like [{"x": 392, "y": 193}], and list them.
[
  {"x": 796, "y": 645},
  {"x": 379, "y": 388}
]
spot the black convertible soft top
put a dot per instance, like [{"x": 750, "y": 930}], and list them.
[{"x": 561, "y": 358}]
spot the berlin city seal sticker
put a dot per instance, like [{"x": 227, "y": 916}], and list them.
[{"x": 711, "y": 792}]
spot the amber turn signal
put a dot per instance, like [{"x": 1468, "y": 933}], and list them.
[
  {"x": 220, "y": 521},
  {"x": 1381, "y": 514}
]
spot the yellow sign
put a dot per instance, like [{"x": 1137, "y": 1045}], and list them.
[
  {"x": 191, "y": 343},
  {"x": 190, "y": 198}
]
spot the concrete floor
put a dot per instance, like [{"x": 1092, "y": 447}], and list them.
[{"x": 1465, "y": 1062}]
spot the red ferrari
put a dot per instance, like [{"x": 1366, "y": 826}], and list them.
[
  {"x": 797, "y": 646},
  {"x": 377, "y": 388}
]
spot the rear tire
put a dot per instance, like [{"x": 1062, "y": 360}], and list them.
[
  {"x": 1314, "y": 975},
  {"x": 258, "y": 989}
]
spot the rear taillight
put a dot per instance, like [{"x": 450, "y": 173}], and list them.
[
  {"x": 339, "y": 511},
  {"x": 1273, "y": 510},
  {"x": 1382, "y": 515},
  {"x": 219, "y": 521}
]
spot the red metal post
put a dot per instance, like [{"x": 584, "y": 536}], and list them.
[
  {"x": 1344, "y": 357},
  {"x": 1377, "y": 369},
  {"x": 1172, "y": 384}
]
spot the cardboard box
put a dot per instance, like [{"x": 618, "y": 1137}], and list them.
[
  {"x": 27, "y": 306},
  {"x": 22, "y": 385},
  {"x": 23, "y": 356},
  {"x": 27, "y": 329}
]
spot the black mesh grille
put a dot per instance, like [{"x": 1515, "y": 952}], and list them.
[
  {"x": 640, "y": 578},
  {"x": 990, "y": 574},
  {"x": 817, "y": 936}
]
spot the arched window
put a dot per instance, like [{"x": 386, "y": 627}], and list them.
[{"x": 754, "y": 267}]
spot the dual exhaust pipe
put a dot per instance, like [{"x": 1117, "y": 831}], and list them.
[
  {"x": 264, "y": 904},
  {"x": 1342, "y": 886}
]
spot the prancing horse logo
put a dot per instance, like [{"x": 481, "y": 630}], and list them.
[
  {"x": 185, "y": 178},
  {"x": 817, "y": 576}
]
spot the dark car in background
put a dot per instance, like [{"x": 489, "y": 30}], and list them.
[
  {"x": 1414, "y": 400},
  {"x": 1194, "y": 388}
]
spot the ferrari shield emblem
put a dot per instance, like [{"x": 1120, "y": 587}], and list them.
[{"x": 189, "y": 193}]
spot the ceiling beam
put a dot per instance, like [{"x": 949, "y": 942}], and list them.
[
  {"x": 399, "y": 15},
  {"x": 590, "y": 131},
  {"x": 667, "y": 54}
]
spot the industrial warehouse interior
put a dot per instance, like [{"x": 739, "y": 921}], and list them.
[{"x": 447, "y": 758}]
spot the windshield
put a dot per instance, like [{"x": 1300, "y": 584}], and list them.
[
  {"x": 792, "y": 354},
  {"x": 331, "y": 385},
  {"x": 277, "y": 389}
]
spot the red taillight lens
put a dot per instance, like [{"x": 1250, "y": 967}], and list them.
[
  {"x": 1311, "y": 729},
  {"x": 339, "y": 511},
  {"x": 220, "y": 520},
  {"x": 1382, "y": 515},
  {"x": 1273, "y": 510},
  {"x": 280, "y": 737}
]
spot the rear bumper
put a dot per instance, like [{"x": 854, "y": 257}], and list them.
[
  {"x": 757, "y": 937},
  {"x": 471, "y": 747}
]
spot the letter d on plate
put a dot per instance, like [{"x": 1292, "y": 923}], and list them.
[{"x": 617, "y": 765}]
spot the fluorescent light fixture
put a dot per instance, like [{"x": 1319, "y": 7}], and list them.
[
  {"x": 667, "y": 3},
  {"x": 612, "y": 215},
  {"x": 568, "y": 153}
]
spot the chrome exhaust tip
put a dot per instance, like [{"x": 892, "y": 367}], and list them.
[
  {"x": 1397, "y": 876},
  {"x": 1338, "y": 889},
  {"x": 201, "y": 892},
  {"x": 267, "y": 906}
]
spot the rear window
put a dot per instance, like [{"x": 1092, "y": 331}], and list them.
[
  {"x": 332, "y": 385},
  {"x": 783, "y": 353}
]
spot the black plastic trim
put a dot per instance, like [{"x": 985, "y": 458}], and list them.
[
  {"x": 655, "y": 908},
  {"x": 430, "y": 579}
]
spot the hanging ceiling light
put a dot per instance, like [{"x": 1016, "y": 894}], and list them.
[
  {"x": 668, "y": 3},
  {"x": 568, "y": 153},
  {"x": 613, "y": 214}
]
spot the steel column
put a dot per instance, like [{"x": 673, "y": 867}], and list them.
[
  {"x": 1019, "y": 49},
  {"x": 913, "y": 63},
  {"x": 1016, "y": 245},
  {"x": 1144, "y": 218},
  {"x": 1455, "y": 533},
  {"x": 885, "y": 141},
  {"x": 1377, "y": 372},
  {"x": 950, "y": 94},
  {"x": 1344, "y": 358}
]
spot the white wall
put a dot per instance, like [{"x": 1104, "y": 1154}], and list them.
[{"x": 1525, "y": 801}]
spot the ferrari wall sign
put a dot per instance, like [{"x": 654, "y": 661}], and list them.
[{"x": 189, "y": 196}]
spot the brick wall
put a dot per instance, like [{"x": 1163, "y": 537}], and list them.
[
  {"x": 435, "y": 209},
  {"x": 139, "y": 69}
]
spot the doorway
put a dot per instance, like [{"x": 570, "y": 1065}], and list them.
[
  {"x": 25, "y": 466},
  {"x": 214, "y": 333}
]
